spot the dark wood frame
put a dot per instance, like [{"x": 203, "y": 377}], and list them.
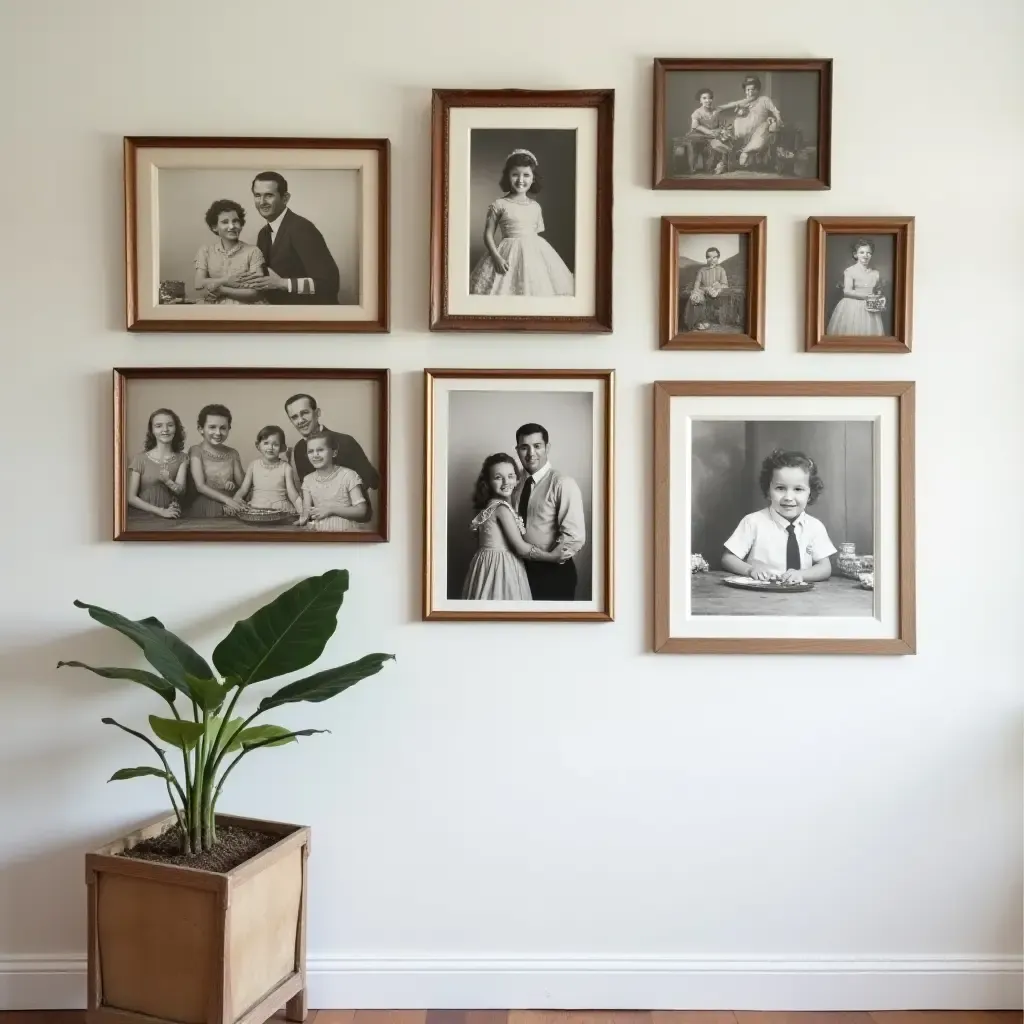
[
  {"x": 122, "y": 377},
  {"x": 607, "y": 548},
  {"x": 671, "y": 228},
  {"x": 905, "y": 642},
  {"x": 603, "y": 100},
  {"x": 382, "y": 147},
  {"x": 816, "y": 340},
  {"x": 666, "y": 65}
]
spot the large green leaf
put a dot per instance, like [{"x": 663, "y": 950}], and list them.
[
  {"x": 207, "y": 693},
  {"x": 135, "y": 675},
  {"x": 213, "y": 726},
  {"x": 168, "y": 654},
  {"x": 275, "y": 737},
  {"x": 286, "y": 635},
  {"x": 180, "y": 734},
  {"x": 326, "y": 684},
  {"x": 133, "y": 773}
]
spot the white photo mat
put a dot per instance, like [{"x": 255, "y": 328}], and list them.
[
  {"x": 597, "y": 528},
  {"x": 151, "y": 160},
  {"x": 461, "y": 122},
  {"x": 883, "y": 412}
]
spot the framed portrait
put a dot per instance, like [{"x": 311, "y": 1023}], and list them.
[
  {"x": 521, "y": 210},
  {"x": 712, "y": 282},
  {"x": 271, "y": 455},
  {"x": 784, "y": 517},
  {"x": 254, "y": 234},
  {"x": 518, "y": 512},
  {"x": 860, "y": 285},
  {"x": 742, "y": 124}
]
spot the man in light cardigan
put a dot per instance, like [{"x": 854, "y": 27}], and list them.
[{"x": 551, "y": 506}]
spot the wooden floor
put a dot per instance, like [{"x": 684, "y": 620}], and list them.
[{"x": 591, "y": 1017}]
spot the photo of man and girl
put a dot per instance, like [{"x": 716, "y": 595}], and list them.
[{"x": 306, "y": 478}]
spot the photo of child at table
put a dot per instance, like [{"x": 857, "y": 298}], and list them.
[{"x": 783, "y": 540}]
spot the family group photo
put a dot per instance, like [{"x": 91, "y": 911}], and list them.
[
  {"x": 257, "y": 458},
  {"x": 517, "y": 520}
]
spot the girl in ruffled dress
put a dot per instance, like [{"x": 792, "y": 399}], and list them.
[
  {"x": 270, "y": 477},
  {"x": 522, "y": 263},
  {"x": 497, "y": 571},
  {"x": 216, "y": 469},
  {"x": 860, "y": 283},
  {"x": 158, "y": 474},
  {"x": 333, "y": 499}
]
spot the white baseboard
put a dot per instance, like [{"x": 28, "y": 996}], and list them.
[{"x": 948, "y": 983}]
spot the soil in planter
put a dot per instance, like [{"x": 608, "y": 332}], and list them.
[{"x": 234, "y": 846}]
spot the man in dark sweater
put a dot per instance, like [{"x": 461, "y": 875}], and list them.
[
  {"x": 300, "y": 270},
  {"x": 304, "y": 414}
]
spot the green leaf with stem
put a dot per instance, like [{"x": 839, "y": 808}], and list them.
[
  {"x": 208, "y": 694},
  {"x": 183, "y": 735},
  {"x": 134, "y": 773},
  {"x": 135, "y": 675},
  {"x": 324, "y": 685},
  {"x": 160, "y": 753}
]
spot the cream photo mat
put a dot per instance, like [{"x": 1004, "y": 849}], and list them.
[
  {"x": 461, "y": 121},
  {"x": 883, "y": 412},
  {"x": 597, "y": 528},
  {"x": 151, "y": 160}
]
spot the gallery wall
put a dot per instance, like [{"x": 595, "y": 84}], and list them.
[{"x": 536, "y": 814}]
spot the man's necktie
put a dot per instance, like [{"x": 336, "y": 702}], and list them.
[
  {"x": 524, "y": 498},
  {"x": 265, "y": 241},
  {"x": 792, "y": 548}
]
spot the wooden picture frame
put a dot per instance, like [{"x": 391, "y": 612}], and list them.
[
  {"x": 471, "y": 415},
  {"x": 741, "y": 299},
  {"x": 328, "y": 234},
  {"x": 760, "y": 155},
  {"x": 354, "y": 403},
  {"x": 710, "y": 436},
  {"x": 475, "y": 134},
  {"x": 831, "y": 321}
]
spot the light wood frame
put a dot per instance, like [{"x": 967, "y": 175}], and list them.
[
  {"x": 135, "y": 322},
  {"x": 902, "y": 228},
  {"x": 607, "y": 450},
  {"x": 905, "y": 642},
  {"x": 671, "y": 335},
  {"x": 122, "y": 376},
  {"x": 603, "y": 100},
  {"x": 664, "y": 66}
]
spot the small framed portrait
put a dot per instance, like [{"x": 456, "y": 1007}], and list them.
[
  {"x": 218, "y": 454},
  {"x": 712, "y": 282},
  {"x": 784, "y": 517},
  {"x": 860, "y": 274},
  {"x": 521, "y": 210},
  {"x": 253, "y": 234},
  {"x": 742, "y": 124},
  {"x": 518, "y": 522}
]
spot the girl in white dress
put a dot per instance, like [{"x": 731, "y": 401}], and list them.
[
  {"x": 496, "y": 571},
  {"x": 522, "y": 263},
  {"x": 333, "y": 499},
  {"x": 860, "y": 283},
  {"x": 271, "y": 478}
]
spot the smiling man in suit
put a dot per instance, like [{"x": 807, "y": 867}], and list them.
[{"x": 300, "y": 268}]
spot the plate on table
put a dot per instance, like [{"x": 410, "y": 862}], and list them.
[{"x": 771, "y": 586}]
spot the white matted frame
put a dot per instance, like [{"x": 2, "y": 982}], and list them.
[
  {"x": 455, "y": 114},
  {"x": 146, "y": 156},
  {"x": 889, "y": 405},
  {"x": 440, "y": 385}
]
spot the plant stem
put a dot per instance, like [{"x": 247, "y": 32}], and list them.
[{"x": 197, "y": 791}]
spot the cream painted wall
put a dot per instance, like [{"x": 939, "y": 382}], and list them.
[{"x": 537, "y": 814}]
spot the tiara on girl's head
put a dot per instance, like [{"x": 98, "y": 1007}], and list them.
[{"x": 521, "y": 152}]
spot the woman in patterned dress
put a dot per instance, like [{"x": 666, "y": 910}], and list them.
[{"x": 219, "y": 266}]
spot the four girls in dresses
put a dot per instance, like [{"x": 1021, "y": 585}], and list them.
[
  {"x": 783, "y": 541},
  {"x": 497, "y": 571},
  {"x": 521, "y": 263}
]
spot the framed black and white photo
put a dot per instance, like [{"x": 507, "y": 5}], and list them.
[
  {"x": 741, "y": 123},
  {"x": 224, "y": 454},
  {"x": 860, "y": 280},
  {"x": 521, "y": 210},
  {"x": 251, "y": 234},
  {"x": 784, "y": 517},
  {"x": 518, "y": 517},
  {"x": 712, "y": 282}
]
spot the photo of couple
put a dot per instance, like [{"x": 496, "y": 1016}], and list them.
[{"x": 227, "y": 457}]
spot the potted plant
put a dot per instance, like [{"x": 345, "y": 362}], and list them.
[{"x": 199, "y": 918}]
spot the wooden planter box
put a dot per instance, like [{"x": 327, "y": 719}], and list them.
[{"x": 198, "y": 947}]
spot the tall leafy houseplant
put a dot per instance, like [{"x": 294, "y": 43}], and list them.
[{"x": 286, "y": 635}]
